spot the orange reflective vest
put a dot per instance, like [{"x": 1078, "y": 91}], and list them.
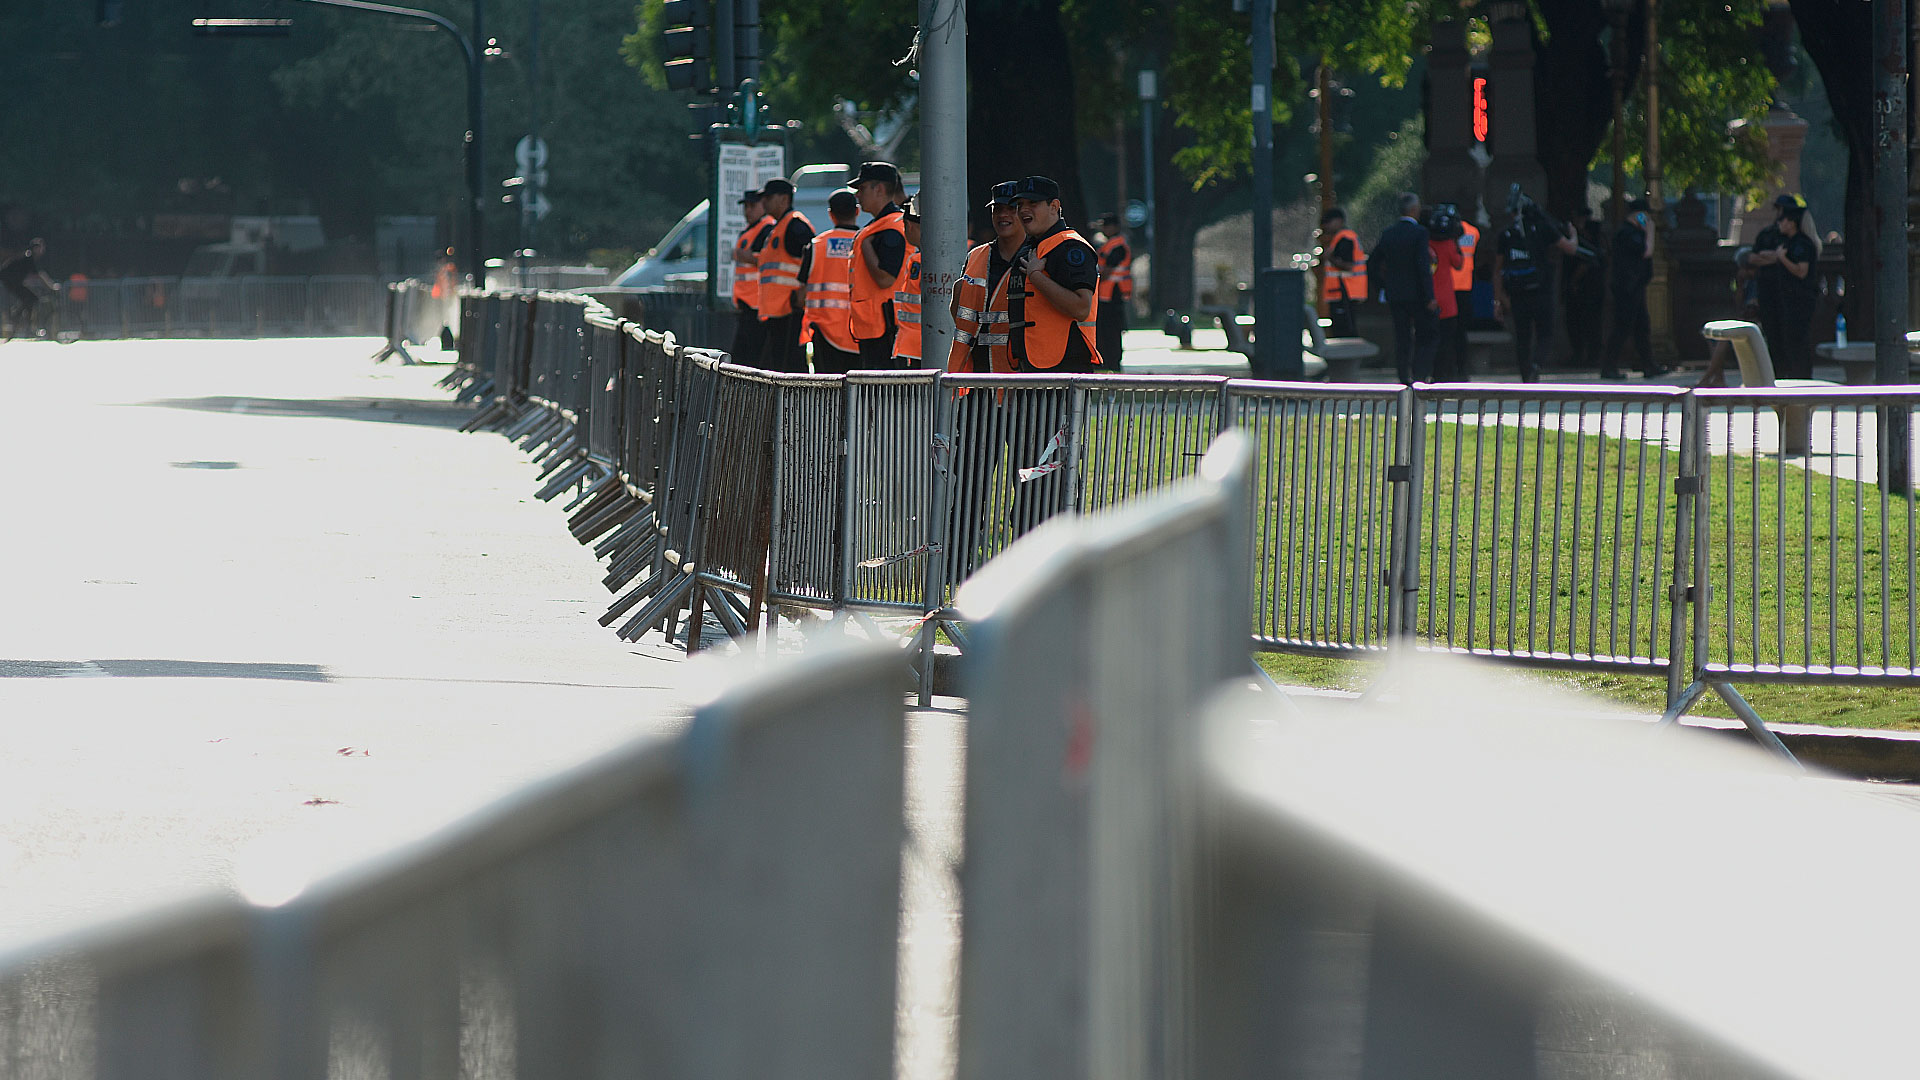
[
  {"x": 77, "y": 288},
  {"x": 906, "y": 308},
  {"x": 830, "y": 289},
  {"x": 1346, "y": 284},
  {"x": 779, "y": 269},
  {"x": 978, "y": 318},
  {"x": 1038, "y": 330},
  {"x": 1116, "y": 282},
  {"x": 746, "y": 274},
  {"x": 869, "y": 298},
  {"x": 1463, "y": 274}
]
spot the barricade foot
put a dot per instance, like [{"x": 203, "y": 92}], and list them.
[
  {"x": 1688, "y": 697},
  {"x": 1756, "y": 726},
  {"x": 599, "y": 492},
  {"x": 564, "y": 480},
  {"x": 625, "y": 604},
  {"x": 667, "y": 600}
]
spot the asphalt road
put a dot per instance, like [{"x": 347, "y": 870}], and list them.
[{"x": 267, "y": 589}]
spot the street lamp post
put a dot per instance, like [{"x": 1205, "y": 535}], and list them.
[
  {"x": 1659, "y": 309},
  {"x": 1149, "y": 95}
]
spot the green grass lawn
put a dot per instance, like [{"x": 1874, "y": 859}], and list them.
[{"x": 1538, "y": 541}]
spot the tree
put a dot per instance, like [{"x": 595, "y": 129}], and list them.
[{"x": 1838, "y": 35}]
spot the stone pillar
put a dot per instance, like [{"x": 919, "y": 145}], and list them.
[
  {"x": 1516, "y": 152},
  {"x": 1451, "y": 172}
]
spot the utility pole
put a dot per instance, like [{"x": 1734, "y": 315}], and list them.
[
  {"x": 1149, "y": 117},
  {"x": 942, "y": 62},
  {"x": 1265, "y": 321},
  {"x": 536, "y": 177},
  {"x": 1890, "y": 234},
  {"x": 1323, "y": 117},
  {"x": 1659, "y": 302}
]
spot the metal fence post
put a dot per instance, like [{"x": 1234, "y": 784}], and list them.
[
  {"x": 1409, "y": 462},
  {"x": 1689, "y": 555},
  {"x": 1076, "y": 442}
]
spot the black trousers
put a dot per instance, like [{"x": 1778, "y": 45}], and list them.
[
  {"x": 1107, "y": 328},
  {"x": 1630, "y": 327},
  {"x": 1416, "y": 335},
  {"x": 1340, "y": 315},
  {"x": 748, "y": 337},
  {"x": 1584, "y": 335},
  {"x": 1450, "y": 357},
  {"x": 1788, "y": 327},
  {"x": 876, "y": 354},
  {"x": 781, "y": 348},
  {"x": 1532, "y": 330},
  {"x": 831, "y": 360}
]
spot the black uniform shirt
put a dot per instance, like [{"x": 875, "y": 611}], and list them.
[
  {"x": 1777, "y": 283},
  {"x": 1073, "y": 265},
  {"x": 19, "y": 268},
  {"x": 889, "y": 247},
  {"x": 800, "y": 244}
]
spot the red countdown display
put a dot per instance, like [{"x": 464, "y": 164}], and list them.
[{"x": 1480, "y": 109}]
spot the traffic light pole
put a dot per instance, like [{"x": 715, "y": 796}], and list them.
[{"x": 476, "y": 100}]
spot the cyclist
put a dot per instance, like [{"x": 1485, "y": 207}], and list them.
[{"x": 14, "y": 274}]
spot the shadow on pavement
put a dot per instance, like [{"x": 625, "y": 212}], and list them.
[
  {"x": 159, "y": 669},
  {"x": 378, "y": 410}
]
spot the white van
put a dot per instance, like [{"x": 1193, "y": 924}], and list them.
[{"x": 682, "y": 255}]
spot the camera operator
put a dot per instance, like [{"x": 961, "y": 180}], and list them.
[
  {"x": 1443, "y": 239},
  {"x": 1523, "y": 278}
]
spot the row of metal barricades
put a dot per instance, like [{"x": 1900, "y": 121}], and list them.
[
  {"x": 1653, "y": 531},
  {"x": 241, "y": 307},
  {"x": 1170, "y": 874}
]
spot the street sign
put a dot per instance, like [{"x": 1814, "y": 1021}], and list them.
[
  {"x": 530, "y": 153},
  {"x": 741, "y": 167},
  {"x": 1136, "y": 214},
  {"x": 539, "y": 207}
]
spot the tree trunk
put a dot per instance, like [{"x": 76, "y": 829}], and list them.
[
  {"x": 1020, "y": 119},
  {"x": 1838, "y": 34},
  {"x": 1573, "y": 95}
]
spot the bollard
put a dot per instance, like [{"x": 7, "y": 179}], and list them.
[{"x": 1282, "y": 294}]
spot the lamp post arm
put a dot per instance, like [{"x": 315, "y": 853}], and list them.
[{"x": 441, "y": 21}]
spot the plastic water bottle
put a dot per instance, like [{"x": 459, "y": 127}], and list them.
[{"x": 1840, "y": 329}]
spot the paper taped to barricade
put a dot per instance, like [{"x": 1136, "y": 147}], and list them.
[{"x": 888, "y": 560}]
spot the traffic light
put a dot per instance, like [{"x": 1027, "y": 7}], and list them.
[{"x": 688, "y": 45}]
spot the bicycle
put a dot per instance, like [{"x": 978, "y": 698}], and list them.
[{"x": 41, "y": 320}]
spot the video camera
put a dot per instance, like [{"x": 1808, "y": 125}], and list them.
[
  {"x": 1522, "y": 208},
  {"x": 1443, "y": 222}
]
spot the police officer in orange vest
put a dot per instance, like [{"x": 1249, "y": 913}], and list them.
[
  {"x": 1116, "y": 289},
  {"x": 747, "y": 337},
  {"x": 980, "y": 297},
  {"x": 782, "y": 268},
  {"x": 879, "y": 257},
  {"x": 1345, "y": 263},
  {"x": 1050, "y": 294},
  {"x": 830, "y": 288},
  {"x": 906, "y": 293}
]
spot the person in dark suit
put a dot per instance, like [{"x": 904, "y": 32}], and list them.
[{"x": 1401, "y": 268}]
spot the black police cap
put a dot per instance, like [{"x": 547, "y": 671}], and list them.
[
  {"x": 843, "y": 202},
  {"x": 876, "y": 170},
  {"x": 1037, "y": 188},
  {"x": 777, "y": 186},
  {"x": 1001, "y": 194},
  {"x": 752, "y": 195}
]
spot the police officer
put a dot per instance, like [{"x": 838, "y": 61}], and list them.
[
  {"x": 1345, "y": 278},
  {"x": 747, "y": 337},
  {"x": 879, "y": 256},
  {"x": 782, "y": 268},
  {"x": 1116, "y": 289},
  {"x": 1631, "y": 260},
  {"x": 1463, "y": 297},
  {"x": 1583, "y": 296},
  {"x": 906, "y": 292},
  {"x": 980, "y": 297},
  {"x": 1050, "y": 296},
  {"x": 830, "y": 288},
  {"x": 1523, "y": 279}
]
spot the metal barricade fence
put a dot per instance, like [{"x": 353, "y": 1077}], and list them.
[
  {"x": 1805, "y": 567},
  {"x": 1139, "y": 433},
  {"x": 1092, "y": 655},
  {"x": 1330, "y": 483},
  {"x": 279, "y": 304},
  {"x": 887, "y": 511},
  {"x": 716, "y": 905},
  {"x": 1544, "y": 524},
  {"x": 809, "y": 491},
  {"x": 730, "y": 555},
  {"x": 145, "y": 305},
  {"x": 605, "y": 389}
]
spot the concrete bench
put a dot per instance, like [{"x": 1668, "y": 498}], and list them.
[
  {"x": 1487, "y": 350},
  {"x": 1342, "y": 356},
  {"x": 1756, "y": 369}
]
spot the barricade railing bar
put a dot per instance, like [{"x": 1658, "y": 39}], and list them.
[{"x": 1548, "y": 526}]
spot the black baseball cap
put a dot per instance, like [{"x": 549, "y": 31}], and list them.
[
  {"x": 1037, "y": 188},
  {"x": 843, "y": 202},
  {"x": 1112, "y": 220},
  {"x": 1001, "y": 194},
  {"x": 777, "y": 186},
  {"x": 876, "y": 170},
  {"x": 752, "y": 195}
]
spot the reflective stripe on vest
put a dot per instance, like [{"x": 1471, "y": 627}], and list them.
[
  {"x": 1040, "y": 341},
  {"x": 1346, "y": 284},
  {"x": 746, "y": 278},
  {"x": 869, "y": 298},
  {"x": 1116, "y": 280},
  {"x": 779, "y": 269},
  {"x": 1463, "y": 274},
  {"x": 830, "y": 288},
  {"x": 906, "y": 308}
]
